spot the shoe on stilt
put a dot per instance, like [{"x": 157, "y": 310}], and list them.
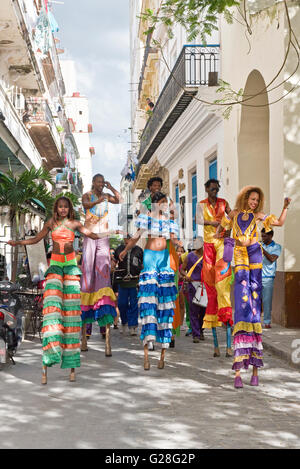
[
  {"x": 44, "y": 376},
  {"x": 238, "y": 383},
  {"x": 161, "y": 364},
  {"x": 217, "y": 352},
  {"x": 146, "y": 365},
  {"x": 254, "y": 381}
]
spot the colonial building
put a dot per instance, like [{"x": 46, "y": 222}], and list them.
[
  {"x": 34, "y": 128},
  {"x": 186, "y": 139}
]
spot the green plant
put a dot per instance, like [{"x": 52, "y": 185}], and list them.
[
  {"x": 17, "y": 191},
  {"x": 198, "y": 17}
]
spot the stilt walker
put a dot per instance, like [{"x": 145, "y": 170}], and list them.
[
  {"x": 243, "y": 221},
  {"x": 97, "y": 296},
  {"x": 216, "y": 273},
  {"x": 61, "y": 308},
  {"x": 157, "y": 290}
]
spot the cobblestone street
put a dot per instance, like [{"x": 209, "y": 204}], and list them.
[{"x": 116, "y": 404}]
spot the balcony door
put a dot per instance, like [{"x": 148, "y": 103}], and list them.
[
  {"x": 213, "y": 169},
  {"x": 194, "y": 202}
]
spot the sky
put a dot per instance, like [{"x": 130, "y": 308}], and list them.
[{"x": 95, "y": 34}]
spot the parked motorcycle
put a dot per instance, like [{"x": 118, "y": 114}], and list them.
[{"x": 11, "y": 321}]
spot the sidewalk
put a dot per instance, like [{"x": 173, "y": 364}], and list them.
[{"x": 282, "y": 342}]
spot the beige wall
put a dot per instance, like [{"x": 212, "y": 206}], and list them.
[
  {"x": 291, "y": 135},
  {"x": 247, "y": 134}
]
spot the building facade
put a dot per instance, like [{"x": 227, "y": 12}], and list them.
[
  {"x": 186, "y": 138},
  {"x": 34, "y": 128}
]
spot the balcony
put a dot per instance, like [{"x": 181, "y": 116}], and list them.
[
  {"x": 16, "y": 147},
  {"x": 195, "y": 67},
  {"x": 43, "y": 131}
]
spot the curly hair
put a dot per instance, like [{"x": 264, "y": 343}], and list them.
[
  {"x": 71, "y": 214},
  {"x": 154, "y": 179},
  {"x": 242, "y": 199},
  {"x": 155, "y": 198}
]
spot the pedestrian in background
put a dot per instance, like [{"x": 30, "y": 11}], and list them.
[
  {"x": 127, "y": 277},
  {"x": 191, "y": 270},
  {"x": 271, "y": 252}
]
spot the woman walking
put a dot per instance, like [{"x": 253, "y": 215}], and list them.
[
  {"x": 243, "y": 221},
  {"x": 157, "y": 290},
  {"x": 61, "y": 308}
]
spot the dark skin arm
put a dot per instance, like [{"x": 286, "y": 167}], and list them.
[
  {"x": 183, "y": 270},
  {"x": 27, "y": 242},
  {"x": 270, "y": 257}
]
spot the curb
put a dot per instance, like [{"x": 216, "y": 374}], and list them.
[{"x": 282, "y": 354}]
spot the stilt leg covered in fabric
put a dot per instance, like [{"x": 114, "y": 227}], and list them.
[
  {"x": 247, "y": 341},
  {"x": 97, "y": 296},
  {"x": 157, "y": 295},
  {"x": 62, "y": 314},
  {"x": 217, "y": 278}
]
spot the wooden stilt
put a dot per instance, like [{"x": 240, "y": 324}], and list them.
[
  {"x": 84, "y": 347},
  {"x": 72, "y": 375},
  {"x": 161, "y": 363},
  {"x": 107, "y": 342},
  {"x": 146, "y": 358},
  {"x": 44, "y": 375}
]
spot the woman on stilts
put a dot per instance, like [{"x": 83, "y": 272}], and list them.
[
  {"x": 61, "y": 307},
  {"x": 247, "y": 333},
  {"x": 157, "y": 290}
]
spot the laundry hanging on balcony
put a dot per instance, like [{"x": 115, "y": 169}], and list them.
[
  {"x": 53, "y": 23},
  {"x": 43, "y": 36}
]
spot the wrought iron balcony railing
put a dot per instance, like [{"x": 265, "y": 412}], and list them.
[{"x": 192, "y": 69}]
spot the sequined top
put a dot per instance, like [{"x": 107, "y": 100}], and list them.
[
  {"x": 211, "y": 213},
  {"x": 246, "y": 230}
]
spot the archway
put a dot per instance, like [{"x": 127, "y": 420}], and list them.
[{"x": 253, "y": 138}]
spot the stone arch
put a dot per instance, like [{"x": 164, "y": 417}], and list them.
[{"x": 253, "y": 138}]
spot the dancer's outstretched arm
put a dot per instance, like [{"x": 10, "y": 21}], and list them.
[
  {"x": 280, "y": 221},
  {"x": 26, "y": 242}
]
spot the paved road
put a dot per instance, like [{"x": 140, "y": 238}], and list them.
[{"x": 116, "y": 404}]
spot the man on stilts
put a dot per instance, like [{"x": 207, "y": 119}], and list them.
[
  {"x": 97, "y": 296},
  {"x": 216, "y": 273}
]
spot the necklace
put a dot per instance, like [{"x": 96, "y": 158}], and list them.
[{"x": 245, "y": 216}]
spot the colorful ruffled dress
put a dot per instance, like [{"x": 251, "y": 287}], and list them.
[
  {"x": 97, "y": 296},
  {"x": 247, "y": 332},
  {"x": 61, "y": 307},
  {"x": 157, "y": 291}
]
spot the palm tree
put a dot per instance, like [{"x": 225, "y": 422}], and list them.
[{"x": 17, "y": 191}]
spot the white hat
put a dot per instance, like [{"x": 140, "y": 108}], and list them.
[{"x": 198, "y": 243}]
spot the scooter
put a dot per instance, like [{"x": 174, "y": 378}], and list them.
[{"x": 11, "y": 321}]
